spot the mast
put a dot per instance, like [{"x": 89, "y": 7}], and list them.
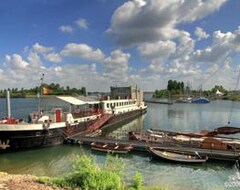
[
  {"x": 40, "y": 93},
  {"x": 8, "y": 104}
]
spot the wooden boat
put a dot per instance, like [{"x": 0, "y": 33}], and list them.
[
  {"x": 227, "y": 130},
  {"x": 111, "y": 147},
  {"x": 200, "y": 134},
  {"x": 177, "y": 156}
]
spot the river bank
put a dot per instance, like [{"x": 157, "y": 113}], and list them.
[
  {"x": 19, "y": 182},
  {"x": 57, "y": 161}
]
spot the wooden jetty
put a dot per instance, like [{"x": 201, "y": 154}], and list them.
[
  {"x": 228, "y": 155},
  {"x": 159, "y": 102}
]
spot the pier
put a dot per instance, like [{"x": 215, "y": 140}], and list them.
[{"x": 227, "y": 155}]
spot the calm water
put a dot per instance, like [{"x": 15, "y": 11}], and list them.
[{"x": 178, "y": 117}]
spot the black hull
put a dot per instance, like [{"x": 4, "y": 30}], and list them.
[
  {"x": 22, "y": 140},
  {"x": 124, "y": 118}
]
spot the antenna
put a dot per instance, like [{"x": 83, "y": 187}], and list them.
[{"x": 40, "y": 93}]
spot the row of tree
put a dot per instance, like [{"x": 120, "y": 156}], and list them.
[
  {"x": 45, "y": 89},
  {"x": 178, "y": 88}
]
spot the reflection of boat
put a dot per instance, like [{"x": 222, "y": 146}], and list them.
[
  {"x": 177, "y": 156},
  {"x": 201, "y": 100},
  {"x": 111, "y": 147}
]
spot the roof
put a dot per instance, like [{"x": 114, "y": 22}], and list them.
[
  {"x": 218, "y": 92},
  {"x": 88, "y": 100},
  {"x": 71, "y": 100}
]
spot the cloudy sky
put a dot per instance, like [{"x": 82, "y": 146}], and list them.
[{"x": 99, "y": 43}]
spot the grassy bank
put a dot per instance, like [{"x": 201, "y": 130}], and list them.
[{"x": 89, "y": 175}]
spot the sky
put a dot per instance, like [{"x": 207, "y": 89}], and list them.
[{"x": 103, "y": 43}]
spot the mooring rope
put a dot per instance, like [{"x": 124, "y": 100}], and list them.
[{"x": 231, "y": 109}]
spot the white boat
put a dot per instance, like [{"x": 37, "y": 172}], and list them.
[
  {"x": 177, "y": 156},
  {"x": 75, "y": 116},
  {"x": 47, "y": 128}
]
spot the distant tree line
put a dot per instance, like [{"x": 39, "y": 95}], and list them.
[
  {"x": 45, "y": 89},
  {"x": 175, "y": 86},
  {"x": 178, "y": 88}
]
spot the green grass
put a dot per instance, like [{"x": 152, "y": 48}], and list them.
[{"x": 88, "y": 175}]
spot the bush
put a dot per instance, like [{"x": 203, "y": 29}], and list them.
[
  {"x": 138, "y": 181},
  {"x": 87, "y": 175}
]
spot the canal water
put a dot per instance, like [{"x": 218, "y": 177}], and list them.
[{"x": 57, "y": 161}]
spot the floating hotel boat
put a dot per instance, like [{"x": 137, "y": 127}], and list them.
[
  {"x": 111, "y": 147},
  {"x": 47, "y": 128},
  {"x": 172, "y": 155},
  {"x": 67, "y": 117}
]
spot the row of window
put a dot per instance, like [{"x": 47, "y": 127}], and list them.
[{"x": 116, "y": 104}]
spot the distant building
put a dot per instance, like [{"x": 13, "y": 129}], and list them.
[
  {"x": 218, "y": 93},
  {"x": 127, "y": 93}
]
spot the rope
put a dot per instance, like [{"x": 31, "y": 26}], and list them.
[
  {"x": 216, "y": 71},
  {"x": 231, "y": 110}
]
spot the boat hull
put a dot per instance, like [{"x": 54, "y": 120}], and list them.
[
  {"x": 111, "y": 148},
  {"x": 124, "y": 118},
  {"x": 176, "y": 157},
  {"x": 21, "y": 140},
  {"x": 16, "y": 140}
]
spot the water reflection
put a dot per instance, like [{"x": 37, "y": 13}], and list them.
[
  {"x": 121, "y": 131},
  {"x": 177, "y": 117}
]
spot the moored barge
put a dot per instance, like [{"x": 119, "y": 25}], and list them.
[{"x": 48, "y": 128}]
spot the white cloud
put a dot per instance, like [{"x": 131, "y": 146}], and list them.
[
  {"x": 223, "y": 45},
  {"x": 34, "y": 59},
  {"x": 82, "y": 51},
  {"x": 192, "y": 10},
  {"x": 46, "y": 52},
  {"x": 16, "y": 62},
  {"x": 54, "y": 57},
  {"x": 154, "y": 20},
  {"x": 116, "y": 66},
  {"x": 66, "y": 29},
  {"x": 160, "y": 49},
  {"x": 200, "y": 33},
  {"x": 41, "y": 49},
  {"x": 82, "y": 23}
]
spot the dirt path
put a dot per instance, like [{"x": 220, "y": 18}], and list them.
[{"x": 21, "y": 182}]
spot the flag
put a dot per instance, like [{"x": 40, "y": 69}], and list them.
[{"x": 46, "y": 90}]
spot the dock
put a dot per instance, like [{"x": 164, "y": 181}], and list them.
[
  {"x": 159, "y": 102},
  {"x": 226, "y": 155}
]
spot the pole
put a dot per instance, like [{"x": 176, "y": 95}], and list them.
[
  {"x": 39, "y": 94},
  {"x": 8, "y": 104}
]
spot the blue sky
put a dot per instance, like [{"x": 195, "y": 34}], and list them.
[{"x": 99, "y": 43}]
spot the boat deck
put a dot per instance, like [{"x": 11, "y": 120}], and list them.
[{"x": 228, "y": 155}]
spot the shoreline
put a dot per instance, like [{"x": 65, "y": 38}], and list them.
[{"x": 22, "y": 181}]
